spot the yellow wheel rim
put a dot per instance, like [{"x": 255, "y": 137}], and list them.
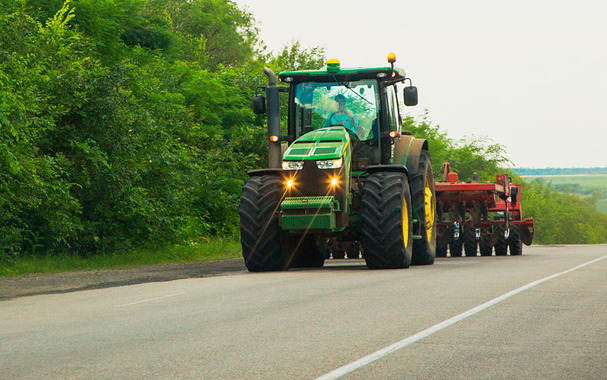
[
  {"x": 405, "y": 222},
  {"x": 429, "y": 208}
]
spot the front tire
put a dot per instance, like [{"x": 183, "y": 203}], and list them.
[
  {"x": 386, "y": 213},
  {"x": 260, "y": 234}
]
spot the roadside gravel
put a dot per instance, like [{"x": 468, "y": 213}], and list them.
[{"x": 13, "y": 287}]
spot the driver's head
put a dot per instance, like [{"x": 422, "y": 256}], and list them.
[{"x": 341, "y": 101}]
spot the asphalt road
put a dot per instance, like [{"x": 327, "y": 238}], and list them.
[{"x": 303, "y": 324}]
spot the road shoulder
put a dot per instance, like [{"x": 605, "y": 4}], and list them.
[{"x": 65, "y": 282}]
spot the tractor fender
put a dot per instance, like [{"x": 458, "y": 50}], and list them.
[
  {"x": 387, "y": 168},
  {"x": 407, "y": 150},
  {"x": 260, "y": 172}
]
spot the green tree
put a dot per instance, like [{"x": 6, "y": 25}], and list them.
[
  {"x": 466, "y": 156},
  {"x": 294, "y": 56}
]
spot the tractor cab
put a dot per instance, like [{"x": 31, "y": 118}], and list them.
[{"x": 363, "y": 101}]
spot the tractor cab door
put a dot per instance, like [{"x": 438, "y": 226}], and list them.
[{"x": 392, "y": 122}]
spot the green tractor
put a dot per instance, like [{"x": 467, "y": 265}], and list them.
[{"x": 345, "y": 180}]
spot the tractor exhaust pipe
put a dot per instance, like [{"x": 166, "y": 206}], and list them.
[{"x": 272, "y": 96}]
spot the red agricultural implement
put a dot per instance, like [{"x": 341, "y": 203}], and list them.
[{"x": 475, "y": 216}]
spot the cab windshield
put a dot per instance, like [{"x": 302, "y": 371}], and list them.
[{"x": 355, "y": 105}]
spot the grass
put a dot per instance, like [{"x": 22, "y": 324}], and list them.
[
  {"x": 214, "y": 249},
  {"x": 579, "y": 184},
  {"x": 596, "y": 182}
]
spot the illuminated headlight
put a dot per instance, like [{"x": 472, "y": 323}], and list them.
[
  {"x": 329, "y": 164},
  {"x": 292, "y": 165}
]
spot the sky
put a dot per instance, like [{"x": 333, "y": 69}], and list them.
[{"x": 530, "y": 75}]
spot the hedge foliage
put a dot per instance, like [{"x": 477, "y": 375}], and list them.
[{"x": 127, "y": 124}]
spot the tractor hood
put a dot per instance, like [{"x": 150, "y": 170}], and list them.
[{"x": 321, "y": 144}]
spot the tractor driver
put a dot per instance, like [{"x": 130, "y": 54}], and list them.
[{"x": 343, "y": 117}]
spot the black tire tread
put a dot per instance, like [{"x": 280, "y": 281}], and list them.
[
  {"x": 484, "y": 244},
  {"x": 455, "y": 247},
  {"x": 470, "y": 243},
  {"x": 424, "y": 250},
  {"x": 514, "y": 241},
  {"x": 260, "y": 234},
  {"x": 382, "y": 238},
  {"x": 501, "y": 247}
]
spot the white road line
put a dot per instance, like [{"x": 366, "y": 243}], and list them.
[
  {"x": 150, "y": 299},
  {"x": 341, "y": 371}
]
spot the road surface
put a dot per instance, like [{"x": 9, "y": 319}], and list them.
[{"x": 541, "y": 315}]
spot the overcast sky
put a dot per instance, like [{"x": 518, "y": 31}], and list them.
[{"x": 531, "y": 75}]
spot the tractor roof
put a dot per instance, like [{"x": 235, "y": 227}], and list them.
[{"x": 345, "y": 74}]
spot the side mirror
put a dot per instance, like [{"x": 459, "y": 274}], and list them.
[
  {"x": 514, "y": 194},
  {"x": 259, "y": 104},
  {"x": 410, "y": 96}
]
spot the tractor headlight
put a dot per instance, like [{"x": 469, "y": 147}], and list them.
[
  {"x": 292, "y": 165},
  {"x": 329, "y": 164}
]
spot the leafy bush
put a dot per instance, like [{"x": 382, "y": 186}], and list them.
[{"x": 127, "y": 124}]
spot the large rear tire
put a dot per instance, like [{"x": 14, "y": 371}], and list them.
[
  {"x": 423, "y": 197},
  {"x": 387, "y": 238},
  {"x": 260, "y": 234}
]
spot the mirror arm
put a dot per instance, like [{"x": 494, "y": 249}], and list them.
[{"x": 262, "y": 88}]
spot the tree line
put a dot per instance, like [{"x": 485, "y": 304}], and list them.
[
  {"x": 559, "y": 171},
  {"x": 128, "y": 124}
]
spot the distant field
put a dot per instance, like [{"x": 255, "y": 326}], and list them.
[{"x": 583, "y": 184}]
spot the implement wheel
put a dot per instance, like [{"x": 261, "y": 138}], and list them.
[
  {"x": 455, "y": 247},
  {"x": 470, "y": 244},
  {"x": 387, "y": 238},
  {"x": 485, "y": 244},
  {"x": 424, "y": 201},
  {"x": 442, "y": 243},
  {"x": 337, "y": 248},
  {"x": 353, "y": 250},
  {"x": 514, "y": 241},
  {"x": 303, "y": 252},
  {"x": 260, "y": 234},
  {"x": 501, "y": 247}
]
